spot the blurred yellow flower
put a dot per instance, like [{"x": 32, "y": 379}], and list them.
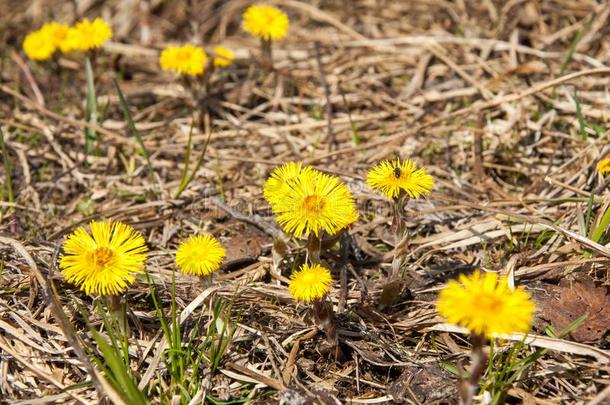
[
  {"x": 56, "y": 32},
  {"x": 104, "y": 262},
  {"x": 486, "y": 305},
  {"x": 38, "y": 46},
  {"x": 394, "y": 177},
  {"x": 310, "y": 283},
  {"x": 41, "y": 44},
  {"x": 222, "y": 57},
  {"x": 86, "y": 35},
  {"x": 314, "y": 201},
  {"x": 200, "y": 255},
  {"x": 603, "y": 167},
  {"x": 266, "y": 22},
  {"x": 186, "y": 59}
]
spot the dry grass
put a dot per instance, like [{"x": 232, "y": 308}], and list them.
[{"x": 424, "y": 79}]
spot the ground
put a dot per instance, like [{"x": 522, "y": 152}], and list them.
[{"x": 505, "y": 103}]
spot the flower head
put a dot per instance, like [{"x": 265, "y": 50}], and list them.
[
  {"x": 485, "y": 305},
  {"x": 313, "y": 201},
  {"x": 86, "y": 35},
  {"x": 41, "y": 44},
  {"x": 310, "y": 283},
  {"x": 278, "y": 183},
  {"x": 393, "y": 177},
  {"x": 266, "y": 22},
  {"x": 186, "y": 59},
  {"x": 222, "y": 57},
  {"x": 603, "y": 167},
  {"x": 38, "y": 46},
  {"x": 55, "y": 32},
  {"x": 104, "y": 262},
  {"x": 200, "y": 255}
]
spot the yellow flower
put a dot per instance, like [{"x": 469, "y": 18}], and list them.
[
  {"x": 266, "y": 22},
  {"x": 278, "y": 184},
  {"x": 603, "y": 167},
  {"x": 392, "y": 177},
  {"x": 222, "y": 57},
  {"x": 55, "y": 32},
  {"x": 186, "y": 59},
  {"x": 86, "y": 35},
  {"x": 104, "y": 262},
  {"x": 310, "y": 283},
  {"x": 38, "y": 46},
  {"x": 314, "y": 201},
  {"x": 485, "y": 305},
  {"x": 200, "y": 255}
]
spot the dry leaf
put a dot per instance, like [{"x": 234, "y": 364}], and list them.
[
  {"x": 570, "y": 300},
  {"x": 247, "y": 244},
  {"x": 428, "y": 385}
]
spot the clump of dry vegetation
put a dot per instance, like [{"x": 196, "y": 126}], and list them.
[{"x": 505, "y": 104}]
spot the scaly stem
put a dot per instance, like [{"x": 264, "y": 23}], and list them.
[
  {"x": 400, "y": 228},
  {"x": 206, "y": 281},
  {"x": 394, "y": 285},
  {"x": 267, "y": 52},
  {"x": 467, "y": 387},
  {"x": 324, "y": 316},
  {"x": 314, "y": 244},
  {"x": 117, "y": 312}
]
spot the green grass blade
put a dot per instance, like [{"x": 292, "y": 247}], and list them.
[
  {"x": 599, "y": 230},
  {"x": 131, "y": 125},
  {"x": 582, "y": 125},
  {"x": 573, "y": 44},
  {"x": 187, "y": 162},
  {"x": 91, "y": 108},
  {"x": 184, "y": 178},
  {"x": 127, "y": 386},
  {"x": 589, "y": 213}
]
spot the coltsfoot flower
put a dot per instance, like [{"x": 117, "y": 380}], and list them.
[
  {"x": 185, "y": 60},
  {"x": 86, "y": 35},
  {"x": 310, "y": 283},
  {"x": 41, "y": 44},
  {"x": 393, "y": 177},
  {"x": 485, "y": 305},
  {"x": 313, "y": 201},
  {"x": 38, "y": 46},
  {"x": 103, "y": 263},
  {"x": 222, "y": 57},
  {"x": 278, "y": 183},
  {"x": 266, "y": 22},
  {"x": 56, "y": 32},
  {"x": 603, "y": 167},
  {"x": 200, "y": 255}
]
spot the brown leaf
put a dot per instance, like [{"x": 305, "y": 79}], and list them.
[
  {"x": 246, "y": 244},
  {"x": 571, "y": 299},
  {"x": 426, "y": 385}
]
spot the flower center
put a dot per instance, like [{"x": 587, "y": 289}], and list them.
[
  {"x": 183, "y": 56},
  {"x": 313, "y": 203},
  {"x": 489, "y": 303},
  {"x": 102, "y": 256}
]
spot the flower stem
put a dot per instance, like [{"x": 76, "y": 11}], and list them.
[
  {"x": 267, "y": 52},
  {"x": 394, "y": 285},
  {"x": 314, "y": 245},
  {"x": 467, "y": 387},
  {"x": 324, "y": 316},
  {"x": 117, "y": 312}
]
